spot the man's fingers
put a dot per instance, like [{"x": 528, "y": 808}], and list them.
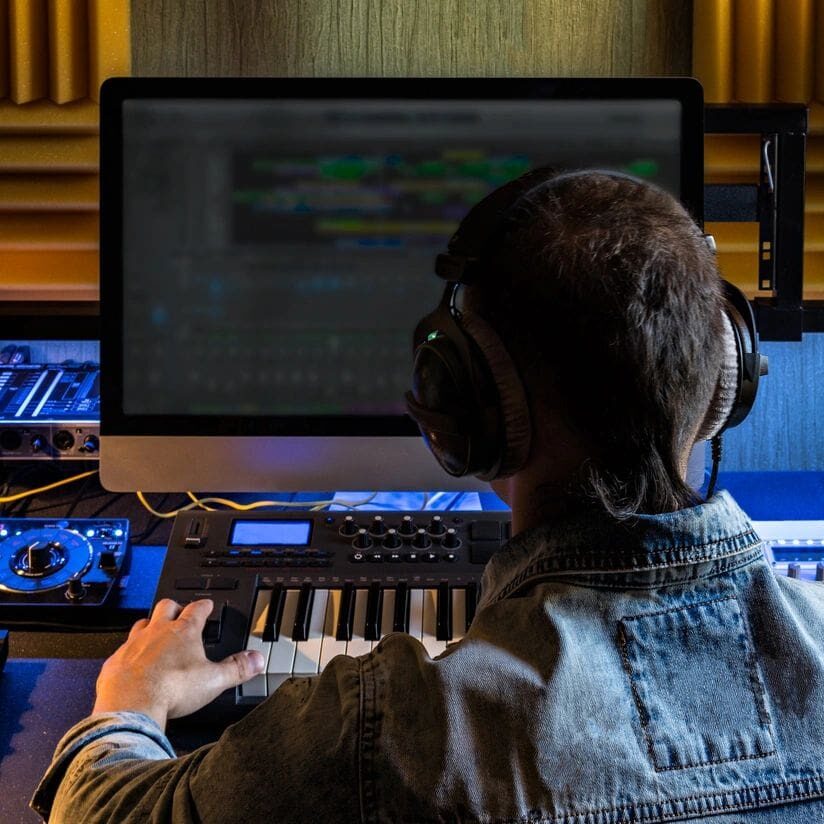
[
  {"x": 165, "y": 610},
  {"x": 239, "y": 668},
  {"x": 138, "y": 625},
  {"x": 197, "y": 612}
]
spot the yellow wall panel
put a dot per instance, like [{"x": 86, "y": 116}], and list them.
[
  {"x": 60, "y": 275},
  {"x": 4, "y": 48},
  {"x": 731, "y": 153},
  {"x": 754, "y": 50},
  {"x": 795, "y": 27},
  {"x": 48, "y": 153},
  {"x": 46, "y": 230},
  {"x": 712, "y": 48},
  {"x": 109, "y": 42},
  {"x": 80, "y": 116},
  {"x": 68, "y": 50},
  {"x": 59, "y": 193},
  {"x": 28, "y": 50}
]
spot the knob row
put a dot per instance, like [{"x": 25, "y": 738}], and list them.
[
  {"x": 407, "y": 527},
  {"x": 393, "y": 539}
]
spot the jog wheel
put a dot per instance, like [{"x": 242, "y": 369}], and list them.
[{"x": 43, "y": 559}]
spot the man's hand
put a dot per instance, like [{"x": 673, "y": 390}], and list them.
[{"x": 162, "y": 669}]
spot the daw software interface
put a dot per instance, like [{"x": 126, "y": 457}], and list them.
[{"x": 278, "y": 252}]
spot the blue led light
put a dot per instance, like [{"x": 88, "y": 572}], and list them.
[
  {"x": 118, "y": 533},
  {"x": 90, "y": 533},
  {"x": 3, "y": 533}
]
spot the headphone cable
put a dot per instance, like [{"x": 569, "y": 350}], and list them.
[{"x": 716, "y": 446}]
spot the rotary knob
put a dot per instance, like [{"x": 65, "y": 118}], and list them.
[
  {"x": 392, "y": 539},
  {"x": 362, "y": 541},
  {"x": 794, "y": 571},
  {"x": 451, "y": 539},
  {"x": 377, "y": 527},
  {"x": 75, "y": 589},
  {"x": 38, "y": 443},
  {"x": 436, "y": 526},
  {"x": 38, "y": 557},
  {"x": 421, "y": 540},
  {"x": 348, "y": 527},
  {"x": 407, "y": 527}
]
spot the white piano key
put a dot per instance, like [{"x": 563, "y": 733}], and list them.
[
  {"x": 359, "y": 645},
  {"x": 330, "y": 646},
  {"x": 430, "y": 613},
  {"x": 307, "y": 653},
  {"x": 458, "y": 614},
  {"x": 416, "y": 613},
  {"x": 387, "y": 611},
  {"x": 282, "y": 655},
  {"x": 256, "y": 687}
]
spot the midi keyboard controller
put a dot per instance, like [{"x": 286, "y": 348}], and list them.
[{"x": 303, "y": 587}]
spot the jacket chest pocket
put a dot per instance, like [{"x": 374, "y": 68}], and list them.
[{"x": 696, "y": 686}]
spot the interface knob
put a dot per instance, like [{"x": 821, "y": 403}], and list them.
[
  {"x": 451, "y": 539},
  {"x": 38, "y": 443},
  {"x": 63, "y": 440},
  {"x": 348, "y": 527},
  {"x": 378, "y": 527},
  {"x": 362, "y": 541},
  {"x": 421, "y": 540},
  {"x": 436, "y": 526},
  {"x": 90, "y": 444},
  {"x": 407, "y": 526},
  {"x": 392, "y": 539}
]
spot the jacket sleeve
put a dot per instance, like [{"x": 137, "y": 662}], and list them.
[{"x": 293, "y": 758}]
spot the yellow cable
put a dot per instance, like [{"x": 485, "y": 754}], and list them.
[
  {"x": 201, "y": 503},
  {"x": 20, "y": 495}
]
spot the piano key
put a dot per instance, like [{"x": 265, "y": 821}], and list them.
[
  {"x": 458, "y": 613},
  {"x": 282, "y": 655},
  {"x": 300, "y": 629},
  {"x": 347, "y": 606},
  {"x": 331, "y": 646},
  {"x": 443, "y": 613},
  {"x": 471, "y": 603},
  {"x": 256, "y": 687},
  {"x": 400, "y": 618},
  {"x": 430, "y": 619},
  {"x": 387, "y": 611},
  {"x": 372, "y": 627},
  {"x": 274, "y": 613},
  {"x": 359, "y": 644},
  {"x": 308, "y": 652},
  {"x": 416, "y": 613}
]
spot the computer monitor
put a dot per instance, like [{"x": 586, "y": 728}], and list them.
[{"x": 267, "y": 246}]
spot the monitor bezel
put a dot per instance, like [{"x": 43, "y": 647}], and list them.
[{"x": 115, "y": 91}]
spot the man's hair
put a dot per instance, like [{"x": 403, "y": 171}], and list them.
[{"x": 608, "y": 299}]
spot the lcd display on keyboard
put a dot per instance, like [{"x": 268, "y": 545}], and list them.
[
  {"x": 270, "y": 533},
  {"x": 36, "y": 392}
]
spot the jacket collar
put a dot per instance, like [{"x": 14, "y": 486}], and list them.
[{"x": 645, "y": 551}]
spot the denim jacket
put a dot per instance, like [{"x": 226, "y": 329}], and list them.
[{"x": 650, "y": 671}]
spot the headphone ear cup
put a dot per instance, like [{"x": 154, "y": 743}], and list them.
[
  {"x": 442, "y": 403},
  {"x": 727, "y": 387},
  {"x": 515, "y": 433}
]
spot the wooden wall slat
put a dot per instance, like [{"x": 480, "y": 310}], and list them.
[
  {"x": 44, "y": 116},
  {"x": 59, "y": 193},
  {"x": 4, "y": 48},
  {"x": 397, "y": 38},
  {"x": 48, "y": 230},
  {"x": 48, "y": 153}
]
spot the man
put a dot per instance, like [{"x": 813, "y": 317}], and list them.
[{"x": 633, "y": 657}]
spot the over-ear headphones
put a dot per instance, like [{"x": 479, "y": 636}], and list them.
[{"x": 467, "y": 396}]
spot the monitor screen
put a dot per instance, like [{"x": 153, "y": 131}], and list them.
[{"x": 268, "y": 247}]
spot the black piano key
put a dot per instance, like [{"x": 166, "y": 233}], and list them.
[
  {"x": 303, "y": 612},
  {"x": 400, "y": 620},
  {"x": 372, "y": 630},
  {"x": 347, "y": 609},
  {"x": 471, "y": 603},
  {"x": 274, "y": 612},
  {"x": 443, "y": 615}
]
